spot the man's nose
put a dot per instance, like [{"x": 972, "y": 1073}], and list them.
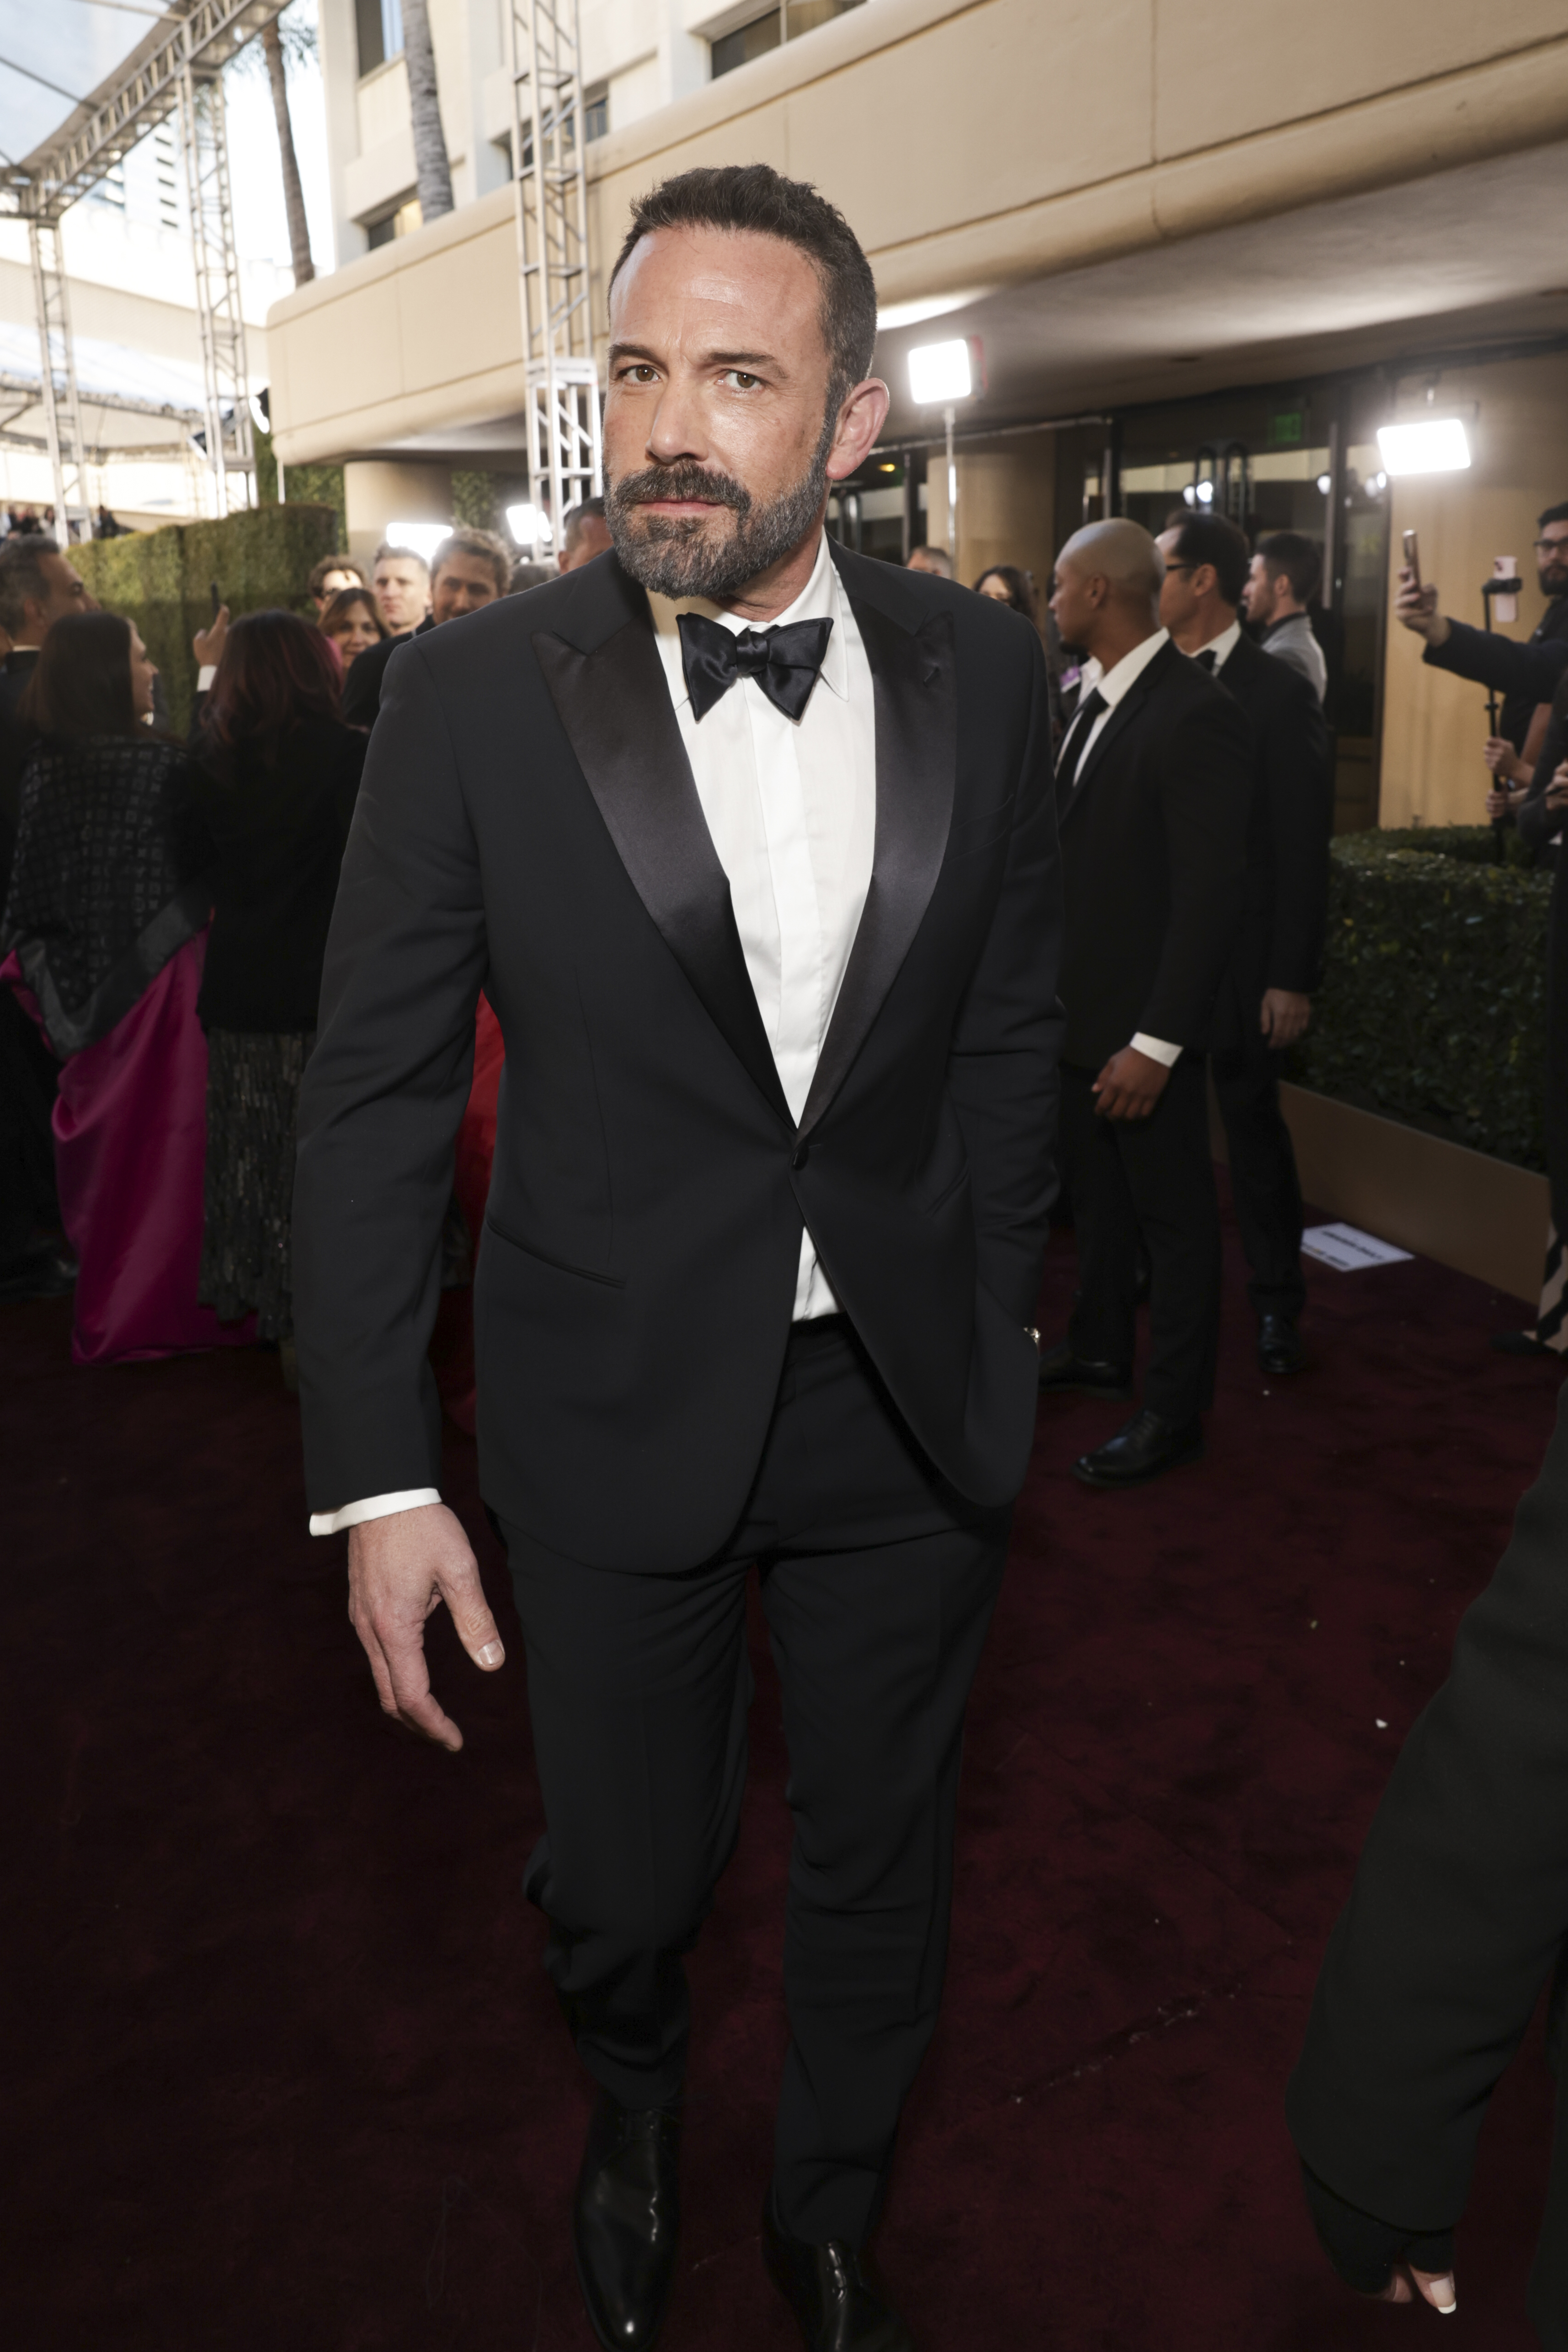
[{"x": 677, "y": 429}]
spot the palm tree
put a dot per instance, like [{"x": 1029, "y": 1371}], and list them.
[
  {"x": 286, "y": 40},
  {"x": 293, "y": 193},
  {"x": 431, "y": 167}
]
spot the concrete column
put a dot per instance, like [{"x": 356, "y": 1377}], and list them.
[
  {"x": 1006, "y": 506},
  {"x": 376, "y": 493}
]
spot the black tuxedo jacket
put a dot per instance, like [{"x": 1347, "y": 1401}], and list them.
[
  {"x": 529, "y": 823},
  {"x": 1457, "y": 1918},
  {"x": 1285, "y": 915},
  {"x": 367, "y": 674},
  {"x": 1154, "y": 862}
]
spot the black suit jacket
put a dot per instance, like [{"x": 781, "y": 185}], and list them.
[
  {"x": 1533, "y": 669},
  {"x": 367, "y": 674},
  {"x": 1154, "y": 862},
  {"x": 1281, "y": 941},
  {"x": 1458, "y": 1916},
  {"x": 529, "y": 823}
]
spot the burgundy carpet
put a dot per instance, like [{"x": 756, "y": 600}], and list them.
[{"x": 283, "y": 2070}]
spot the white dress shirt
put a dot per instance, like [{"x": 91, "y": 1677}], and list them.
[
  {"x": 1222, "y": 648},
  {"x": 791, "y": 807},
  {"x": 1111, "y": 685}
]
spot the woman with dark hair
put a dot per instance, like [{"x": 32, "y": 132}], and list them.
[
  {"x": 276, "y": 788},
  {"x": 1008, "y": 585},
  {"x": 103, "y": 933},
  {"x": 350, "y": 623}
]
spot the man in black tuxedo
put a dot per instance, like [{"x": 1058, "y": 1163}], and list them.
[
  {"x": 469, "y": 569},
  {"x": 1153, "y": 787},
  {"x": 1456, "y": 1921},
  {"x": 1265, "y": 1001},
  {"x": 750, "y": 844}
]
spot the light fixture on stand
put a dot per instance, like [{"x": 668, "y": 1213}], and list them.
[{"x": 940, "y": 376}]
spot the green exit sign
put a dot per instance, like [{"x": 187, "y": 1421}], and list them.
[{"x": 1286, "y": 430}]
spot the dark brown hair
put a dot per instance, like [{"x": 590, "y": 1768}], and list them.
[
  {"x": 329, "y": 564},
  {"x": 465, "y": 539},
  {"x": 21, "y": 576},
  {"x": 755, "y": 197},
  {"x": 1296, "y": 555},
  {"x": 275, "y": 670},
  {"x": 80, "y": 684},
  {"x": 1020, "y": 588},
  {"x": 341, "y": 603},
  {"x": 1213, "y": 539}
]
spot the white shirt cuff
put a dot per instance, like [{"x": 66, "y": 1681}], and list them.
[
  {"x": 206, "y": 675},
  {"x": 1157, "y": 1050},
  {"x": 374, "y": 1507}
]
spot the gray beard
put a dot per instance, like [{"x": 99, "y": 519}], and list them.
[{"x": 671, "y": 557}]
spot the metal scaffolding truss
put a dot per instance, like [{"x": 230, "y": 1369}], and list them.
[
  {"x": 176, "y": 68},
  {"x": 565, "y": 452}
]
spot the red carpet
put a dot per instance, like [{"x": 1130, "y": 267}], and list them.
[{"x": 284, "y": 2075}]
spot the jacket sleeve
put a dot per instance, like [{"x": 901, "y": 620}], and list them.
[
  {"x": 1538, "y": 824},
  {"x": 1499, "y": 662},
  {"x": 1460, "y": 1903},
  {"x": 1299, "y": 815},
  {"x": 1204, "y": 794},
  {"x": 1007, "y": 1040},
  {"x": 383, "y": 1098}
]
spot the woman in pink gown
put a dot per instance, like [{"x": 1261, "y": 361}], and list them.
[{"x": 102, "y": 937}]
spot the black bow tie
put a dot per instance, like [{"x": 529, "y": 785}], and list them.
[
  {"x": 784, "y": 662},
  {"x": 1207, "y": 659}
]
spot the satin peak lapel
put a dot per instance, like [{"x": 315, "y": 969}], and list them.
[
  {"x": 615, "y": 706},
  {"x": 916, "y": 693}
]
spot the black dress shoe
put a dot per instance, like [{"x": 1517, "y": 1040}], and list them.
[
  {"x": 838, "y": 2307},
  {"x": 1144, "y": 1449},
  {"x": 1061, "y": 1373},
  {"x": 1521, "y": 1343},
  {"x": 1279, "y": 1349},
  {"x": 38, "y": 1274},
  {"x": 626, "y": 2219}
]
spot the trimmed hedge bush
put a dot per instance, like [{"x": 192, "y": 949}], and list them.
[
  {"x": 161, "y": 578},
  {"x": 1432, "y": 1009}
]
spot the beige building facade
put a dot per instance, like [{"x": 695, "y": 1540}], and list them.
[{"x": 1181, "y": 231}]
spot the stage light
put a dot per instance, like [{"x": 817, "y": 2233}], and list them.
[
  {"x": 425, "y": 538},
  {"x": 1326, "y": 484},
  {"x": 940, "y": 373},
  {"x": 1437, "y": 445},
  {"x": 529, "y": 525},
  {"x": 1206, "y": 494}
]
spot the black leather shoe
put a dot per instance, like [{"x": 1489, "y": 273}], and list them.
[
  {"x": 1146, "y": 1448},
  {"x": 1061, "y": 1373},
  {"x": 38, "y": 1274},
  {"x": 626, "y": 2219},
  {"x": 838, "y": 2307},
  {"x": 1279, "y": 1349}
]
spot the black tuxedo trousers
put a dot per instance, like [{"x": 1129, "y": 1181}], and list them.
[
  {"x": 878, "y": 1583},
  {"x": 1152, "y": 1178}
]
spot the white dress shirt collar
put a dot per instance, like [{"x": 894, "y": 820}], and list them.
[
  {"x": 820, "y": 600},
  {"x": 1222, "y": 648},
  {"x": 1130, "y": 669}
]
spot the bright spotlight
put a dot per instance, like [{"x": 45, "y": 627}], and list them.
[
  {"x": 939, "y": 372},
  {"x": 425, "y": 538},
  {"x": 1437, "y": 445},
  {"x": 529, "y": 525},
  {"x": 1206, "y": 494},
  {"x": 1326, "y": 484}
]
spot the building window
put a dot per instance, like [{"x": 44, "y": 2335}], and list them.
[
  {"x": 379, "y": 25},
  {"x": 406, "y": 217},
  {"x": 785, "y": 20},
  {"x": 595, "y": 113}
]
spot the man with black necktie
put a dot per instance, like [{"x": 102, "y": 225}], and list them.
[
  {"x": 1152, "y": 785},
  {"x": 768, "y": 909},
  {"x": 1265, "y": 1003}
]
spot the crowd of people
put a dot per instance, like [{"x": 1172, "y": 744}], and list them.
[{"x": 164, "y": 906}]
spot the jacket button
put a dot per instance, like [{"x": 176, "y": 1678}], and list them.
[{"x": 799, "y": 1157}]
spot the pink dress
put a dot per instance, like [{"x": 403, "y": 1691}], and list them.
[{"x": 130, "y": 1141}]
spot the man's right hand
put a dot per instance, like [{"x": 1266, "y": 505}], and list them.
[
  {"x": 401, "y": 1567},
  {"x": 1417, "y": 608},
  {"x": 1407, "y": 2285}
]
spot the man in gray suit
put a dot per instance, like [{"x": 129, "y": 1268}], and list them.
[{"x": 1282, "y": 582}]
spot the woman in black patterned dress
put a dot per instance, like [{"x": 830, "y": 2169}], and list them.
[{"x": 275, "y": 787}]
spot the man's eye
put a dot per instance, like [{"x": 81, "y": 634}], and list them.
[
  {"x": 639, "y": 372},
  {"x": 738, "y": 379}
]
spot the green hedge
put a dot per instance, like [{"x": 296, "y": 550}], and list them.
[
  {"x": 1432, "y": 1004},
  {"x": 161, "y": 578}
]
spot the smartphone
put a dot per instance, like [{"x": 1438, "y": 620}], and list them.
[
  {"x": 217, "y": 600},
  {"x": 1413, "y": 557}
]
